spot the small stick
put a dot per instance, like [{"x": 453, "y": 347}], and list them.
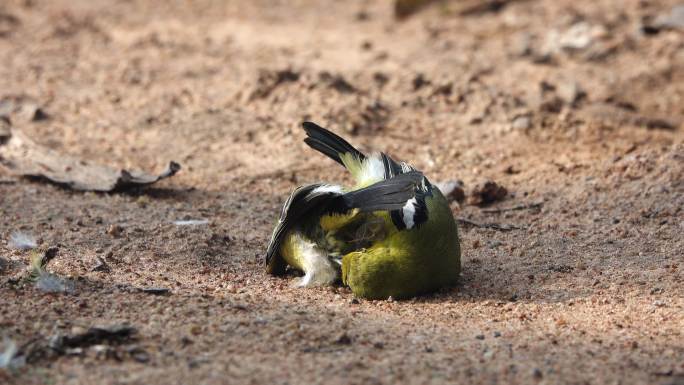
[
  {"x": 493, "y": 226},
  {"x": 514, "y": 208}
]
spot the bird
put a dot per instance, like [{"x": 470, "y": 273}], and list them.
[{"x": 390, "y": 235}]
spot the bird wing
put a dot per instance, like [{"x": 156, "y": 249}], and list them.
[
  {"x": 319, "y": 199},
  {"x": 303, "y": 201}
]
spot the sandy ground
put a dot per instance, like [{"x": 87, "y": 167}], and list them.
[{"x": 567, "y": 103}]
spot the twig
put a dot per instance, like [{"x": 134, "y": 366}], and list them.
[
  {"x": 493, "y": 226},
  {"x": 514, "y": 208}
]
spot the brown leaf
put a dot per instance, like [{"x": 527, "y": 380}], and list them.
[{"x": 22, "y": 156}]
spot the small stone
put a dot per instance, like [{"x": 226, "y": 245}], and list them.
[
  {"x": 39, "y": 114},
  {"x": 570, "y": 92},
  {"x": 354, "y": 301},
  {"x": 138, "y": 354},
  {"x": 494, "y": 244},
  {"x": 379, "y": 345},
  {"x": 343, "y": 339},
  {"x": 511, "y": 170},
  {"x": 552, "y": 105},
  {"x": 671, "y": 20},
  {"x": 578, "y": 37},
  {"x": 362, "y": 16},
  {"x": 522, "y": 122},
  {"x": 480, "y": 337},
  {"x": 497, "y": 334},
  {"x": 5, "y": 128},
  {"x": 196, "y": 330},
  {"x": 115, "y": 230},
  {"x": 537, "y": 373},
  {"x": 101, "y": 266},
  {"x": 523, "y": 45},
  {"x": 419, "y": 82},
  {"x": 381, "y": 78}
]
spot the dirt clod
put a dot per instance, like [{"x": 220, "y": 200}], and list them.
[{"x": 486, "y": 192}]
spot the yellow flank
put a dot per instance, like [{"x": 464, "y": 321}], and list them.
[{"x": 291, "y": 250}]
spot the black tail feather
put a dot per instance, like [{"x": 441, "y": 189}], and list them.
[{"x": 328, "y": 143}]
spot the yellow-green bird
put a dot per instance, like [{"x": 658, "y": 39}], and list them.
[{"x": 390, "y": 235}]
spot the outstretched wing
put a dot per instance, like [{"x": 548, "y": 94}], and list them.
[
  {"x": 303, "y": 201},
  {"x": 319, "y": 199}
]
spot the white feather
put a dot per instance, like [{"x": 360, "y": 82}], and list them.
[
  {"x": 318, "y": 270},
  {"x": 327, "y": 188},
  {"x": 405, "y": 167},
  {"x": 191, "y": 222},
  {"x": 409, "y": 210},
  {"x": 372, "y": 170},
  {"x": 22, "y": 241},
  {"x": 9, "y": 356}
]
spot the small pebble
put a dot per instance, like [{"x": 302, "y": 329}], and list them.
[
  {"x": 115, "y": 230},
  {"x": 537, "y": 373},
  {"x": 343, "y": 339},
  {"x": 521, "y": 123},
  {"x": 494, "y": 244}
]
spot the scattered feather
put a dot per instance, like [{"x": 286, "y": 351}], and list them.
[
  {"x": 9, "y": 359},
  {"x": 40, "y": 260},
  {"x": 50, "y": 283},
  {"x": 22, "y": 241},
  {"x": 45, "y": 281},
  {"x": 191, "y": 222}
]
